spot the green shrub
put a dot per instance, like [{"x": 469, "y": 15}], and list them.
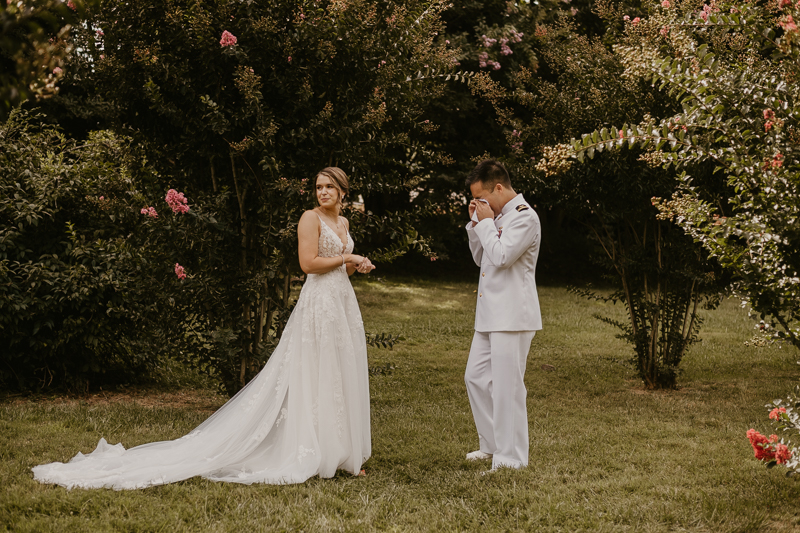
[{"x": 65, "y": 265}]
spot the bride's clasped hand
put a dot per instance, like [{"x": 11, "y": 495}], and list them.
[{"x": 305, "y": 414}]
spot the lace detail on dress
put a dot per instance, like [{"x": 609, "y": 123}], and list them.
[
  {"x": 330, "y": 245},
  {"x": 302, "y": 451}
]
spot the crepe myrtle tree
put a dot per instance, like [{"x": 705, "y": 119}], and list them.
[
  {"x": 240, "y": 104},
  {"x": 733, "y": 67},
  {"x": 660, "y": 275}
]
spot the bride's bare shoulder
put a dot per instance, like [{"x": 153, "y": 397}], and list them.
[
  {"x": 309, "y": 220},
  {"x": 310, "y": 215},
  {"x": 346, "y": 222}
]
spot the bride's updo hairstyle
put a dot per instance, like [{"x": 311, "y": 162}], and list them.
[{"x": 339, "y": 179}]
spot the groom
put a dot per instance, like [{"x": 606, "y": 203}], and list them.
[{"x": 504, "y": 236}]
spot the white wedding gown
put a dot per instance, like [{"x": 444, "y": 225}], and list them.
[{"x": 305, "y": 414}]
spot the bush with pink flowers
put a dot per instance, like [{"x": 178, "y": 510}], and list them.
[
  {"x": 238, "y": 105},
  {"x": 738, "y": 109}
]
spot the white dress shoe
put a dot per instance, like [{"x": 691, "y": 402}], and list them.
[{"x": 478, "y": 455}]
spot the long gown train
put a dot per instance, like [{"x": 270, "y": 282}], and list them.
[{"x": 306, "y": 413}]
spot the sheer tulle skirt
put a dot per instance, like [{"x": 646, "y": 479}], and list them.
[{"x": 306, "y": 413}]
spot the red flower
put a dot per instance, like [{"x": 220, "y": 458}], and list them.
[
  {"x": 761, "y": 445},
  {"x": 775, "y": 414},
  {"x": 782, "y": 453}
]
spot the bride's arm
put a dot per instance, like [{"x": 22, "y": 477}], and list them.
[
  {"x": 351, "y": 268},
  {"x": 308, "y": 248}
]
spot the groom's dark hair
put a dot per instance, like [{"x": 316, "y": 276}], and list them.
[{"x": 489, "y": 173}]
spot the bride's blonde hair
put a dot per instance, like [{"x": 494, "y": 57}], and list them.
[{"x": 339, "y": 179}]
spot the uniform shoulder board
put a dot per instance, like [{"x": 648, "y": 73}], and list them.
[{"x": 522, "y": 207}]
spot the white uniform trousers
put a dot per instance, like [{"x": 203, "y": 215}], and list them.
[{"x": 497, "y": 394}]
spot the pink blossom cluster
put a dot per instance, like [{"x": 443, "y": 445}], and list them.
[
  {"x": 665, "y": 4},
  {"x": 707, "y": 10},
  {"x": 635, "y": 21},
  {"x": 71, "y": 5},
  {"x": 768, "y": 449},
  {"x": 149, "y": 211},
  {"x": 484, "y": 61},
  {"x": 775, "y": 162},
  {"x": 228, "y": 39},
  {"x": 179, "y": 271},
  {"x": 504, "y": 48},
  {"x": 515, "y": 133},
  {"x": 664, "y": 31},
  {"x": 769, "y": 116},
  {"x": 516, "y": 37},
  {"x": 57, "y": 71},
  {"x": 776, "y": 413},
  {"x": 177, "y": 201},
  {"x": 784, "y": 3},
  {"x": 788, "y": 24},
  {"x": 487, "y": 42}
]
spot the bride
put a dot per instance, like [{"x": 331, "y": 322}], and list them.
[{"x": 305, "y": 414}]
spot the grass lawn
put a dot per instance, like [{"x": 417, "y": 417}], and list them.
[{"x": 605, "y": 454}]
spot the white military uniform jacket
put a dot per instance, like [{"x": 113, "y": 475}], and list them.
[{"x": 506, "y": 249}]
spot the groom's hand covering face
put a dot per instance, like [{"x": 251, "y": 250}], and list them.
[{"x": 485, "y": 208}]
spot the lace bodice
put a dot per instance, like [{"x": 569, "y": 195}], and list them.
[{"x": 330, "y": 245}]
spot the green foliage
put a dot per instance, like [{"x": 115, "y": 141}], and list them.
[
  {"x": 735, "y": 77},
  {"x": 34, "y": 42},
  {"x": 67, "y": 306},
  {"x": 383, "y": 340},
  {"x": 241, "y": 125}
]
